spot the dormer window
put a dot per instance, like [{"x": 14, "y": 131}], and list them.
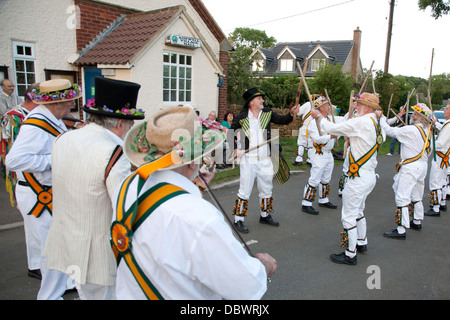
[
  {"x": 286, "y": 64},
  {"x": 258, "y": 65},
  {"x": 316, "y": 64}
]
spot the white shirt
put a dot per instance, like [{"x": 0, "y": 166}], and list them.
[
  {"x": 362, "y": 134},
  {"x": 443, "y": 139},
  {"x": 256, "y": 137},
  {"x": 313, "y": 133},
  {"x": 188, "y": 251},
  {"x": 410, "y": 138},
  {"x": 31, "y": 152}
]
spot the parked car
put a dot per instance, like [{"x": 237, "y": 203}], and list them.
[{"x": 439, "y": 115}]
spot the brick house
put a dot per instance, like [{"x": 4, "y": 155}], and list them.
[
  {"x": 282, "y": 58},
  {"x": 173, "y": 48}
]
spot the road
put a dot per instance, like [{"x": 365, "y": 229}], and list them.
[{"x": 416, "y": 268}]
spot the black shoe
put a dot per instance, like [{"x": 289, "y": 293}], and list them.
[
  {"x": 443, "y": 208},
  {"x": 269, "y": 220},
  {"x": 309, "y": 164},
  {"x": 361, "y": 248},
  {"x": 414, "y": 226},
  {"x": 342, "y": 258},
  {"x": 432, "y": 213},
  {"x": 296, "y": 163},
  {"x": 35, "y": 274},
  {"x": 395, "y": 235},
  {"x": 310, "y": 210},
  {"x": 328, "y": 205},
  {"x": 240, "y": 226}
]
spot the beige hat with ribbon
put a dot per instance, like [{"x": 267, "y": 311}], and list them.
[
  {"x": 171, "y": 129},
  {"x": 54, "y": 91},
  {"x": 368, "y": 99}
]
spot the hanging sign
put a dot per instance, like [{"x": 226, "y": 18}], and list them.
[{"x": 183, "y": 41}]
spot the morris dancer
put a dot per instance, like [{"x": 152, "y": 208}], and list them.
[
  {"x": 412, "y": 169},
  {"x": 254, "y": 121},
  {"x": 302, "y": 141},
  {"x": 181, "y": 247},
  {"x": 366, "y": 137},
  {"x": 30, "y": 158},
  {"x": 439, "y": 167},
  {"x": 322, "y": 161}
]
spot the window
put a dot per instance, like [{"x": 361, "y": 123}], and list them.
[
  {"x": 316, "y": 64},
  {"x": 177, "y": 77},
  {"x": 258, "y": 65},
  {"x": 24, "y": 56},
  {"x": 286, "y": 65}
]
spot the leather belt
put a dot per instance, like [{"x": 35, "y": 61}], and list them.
[{"x": 26, "y": 184}]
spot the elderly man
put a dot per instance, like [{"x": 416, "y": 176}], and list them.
[
  {"x": 8, "y": 99},
  {"x": 30, "y": 158},
  {"x": 82, "y": 209},
  {"x": 366, "y": 136},
  {"x": 439, "y": 167},
  {"x": 171, "y": 243},
  {"x": 412, "y": 169},
  {"x": 253, "y": 125}
]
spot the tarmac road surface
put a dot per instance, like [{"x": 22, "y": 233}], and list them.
[{"x": 411, "y": 269}]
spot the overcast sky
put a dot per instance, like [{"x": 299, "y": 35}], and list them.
[{"x": 415, "y": 33}]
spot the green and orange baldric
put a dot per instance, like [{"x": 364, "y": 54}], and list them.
[
  {"x": 354, "y": 166},
  {"x": 128, "y": 221},
  {"x": 426, "y": 147},
  {"x": 44, "y": 193},
  {"x": 444, "y": 156}
]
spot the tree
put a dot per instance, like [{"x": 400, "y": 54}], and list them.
[
  {"x": 252, "y": 38},
  {"x": 240, "y": 76},
  {"x": 338, "y": 84},
  {"x": 439, "y": 7}
]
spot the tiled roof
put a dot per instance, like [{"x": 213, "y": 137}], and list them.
[
  {"x": 339, "y": 50},
  {"x": 119, "y": 45}
]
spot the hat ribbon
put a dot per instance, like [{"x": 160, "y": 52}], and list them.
[{"x": 165, "y": 161}]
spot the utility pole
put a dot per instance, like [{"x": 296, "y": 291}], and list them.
[{"x": 389, "y": 36}]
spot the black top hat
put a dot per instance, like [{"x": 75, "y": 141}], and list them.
[
  {"x": 250, "y": 94},
  {"x": 115, "y": 98}
]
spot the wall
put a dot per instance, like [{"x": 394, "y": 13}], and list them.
[{"x": 50, "y": 30}]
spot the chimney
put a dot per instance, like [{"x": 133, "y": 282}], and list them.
[{"x": 356, "y": 51}]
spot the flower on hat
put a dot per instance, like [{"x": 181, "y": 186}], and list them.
[
  {"x": 126, "y": 110},
  {"x": 320, "y": 101},
  {"x": 37, "y": 95},
  {"x": 423, "y": 110}
]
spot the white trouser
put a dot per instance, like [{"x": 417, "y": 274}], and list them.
[
  {"x": 302, "y": 143},
  {"x": 252, "y": 168},
  {"x": 438, "y": 182},
  {"x": 25, "y": 201},
  {"x": 353, "y": 204},
  {"x": 320, "y": 174},
  {"x": 409, "y": 187},
  {"x": 89, "y": 291},
  {"x": 53, "y": 283}
]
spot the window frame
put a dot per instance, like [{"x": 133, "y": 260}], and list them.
[
  {"x": 318, "y": 63},
  {"x": 177, "y": 80},
  {"x": 285, "y": 67},
  {"x": 25, "y": 58}
]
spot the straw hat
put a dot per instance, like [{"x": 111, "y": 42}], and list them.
[
  {"x": 174, "y": 128},
  {"x": 423, "y": 110},
  {"x": 368, "y": 99},
  {"x": 54, "y": 91},
  {"x": 320, "y": 101}
]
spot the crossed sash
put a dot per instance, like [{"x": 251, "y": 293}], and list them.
[
  {"x": 354, "y": 166},
  {"x": 44, "y": 193},
  {"x": 426, "y": 147}
]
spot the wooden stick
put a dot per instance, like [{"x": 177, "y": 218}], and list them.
[
  {"x": 389, "y": 107},
  {"x": 310, "y": 99},
  {"x": 300, "y": 84},
  {"x": 331, "y": 105},
  {"x": 365, "y": 80},
  {"x": 350, "y": 114}
]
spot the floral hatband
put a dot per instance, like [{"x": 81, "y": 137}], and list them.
[
  {"x": 55, "y": 96},
  {"x": 423, "y": 110},
  {"x": 188, "y": 148},
  {"x": 126, "y": 110}
]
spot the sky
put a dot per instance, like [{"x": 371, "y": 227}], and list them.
[{"x": 415, "y": 33}]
